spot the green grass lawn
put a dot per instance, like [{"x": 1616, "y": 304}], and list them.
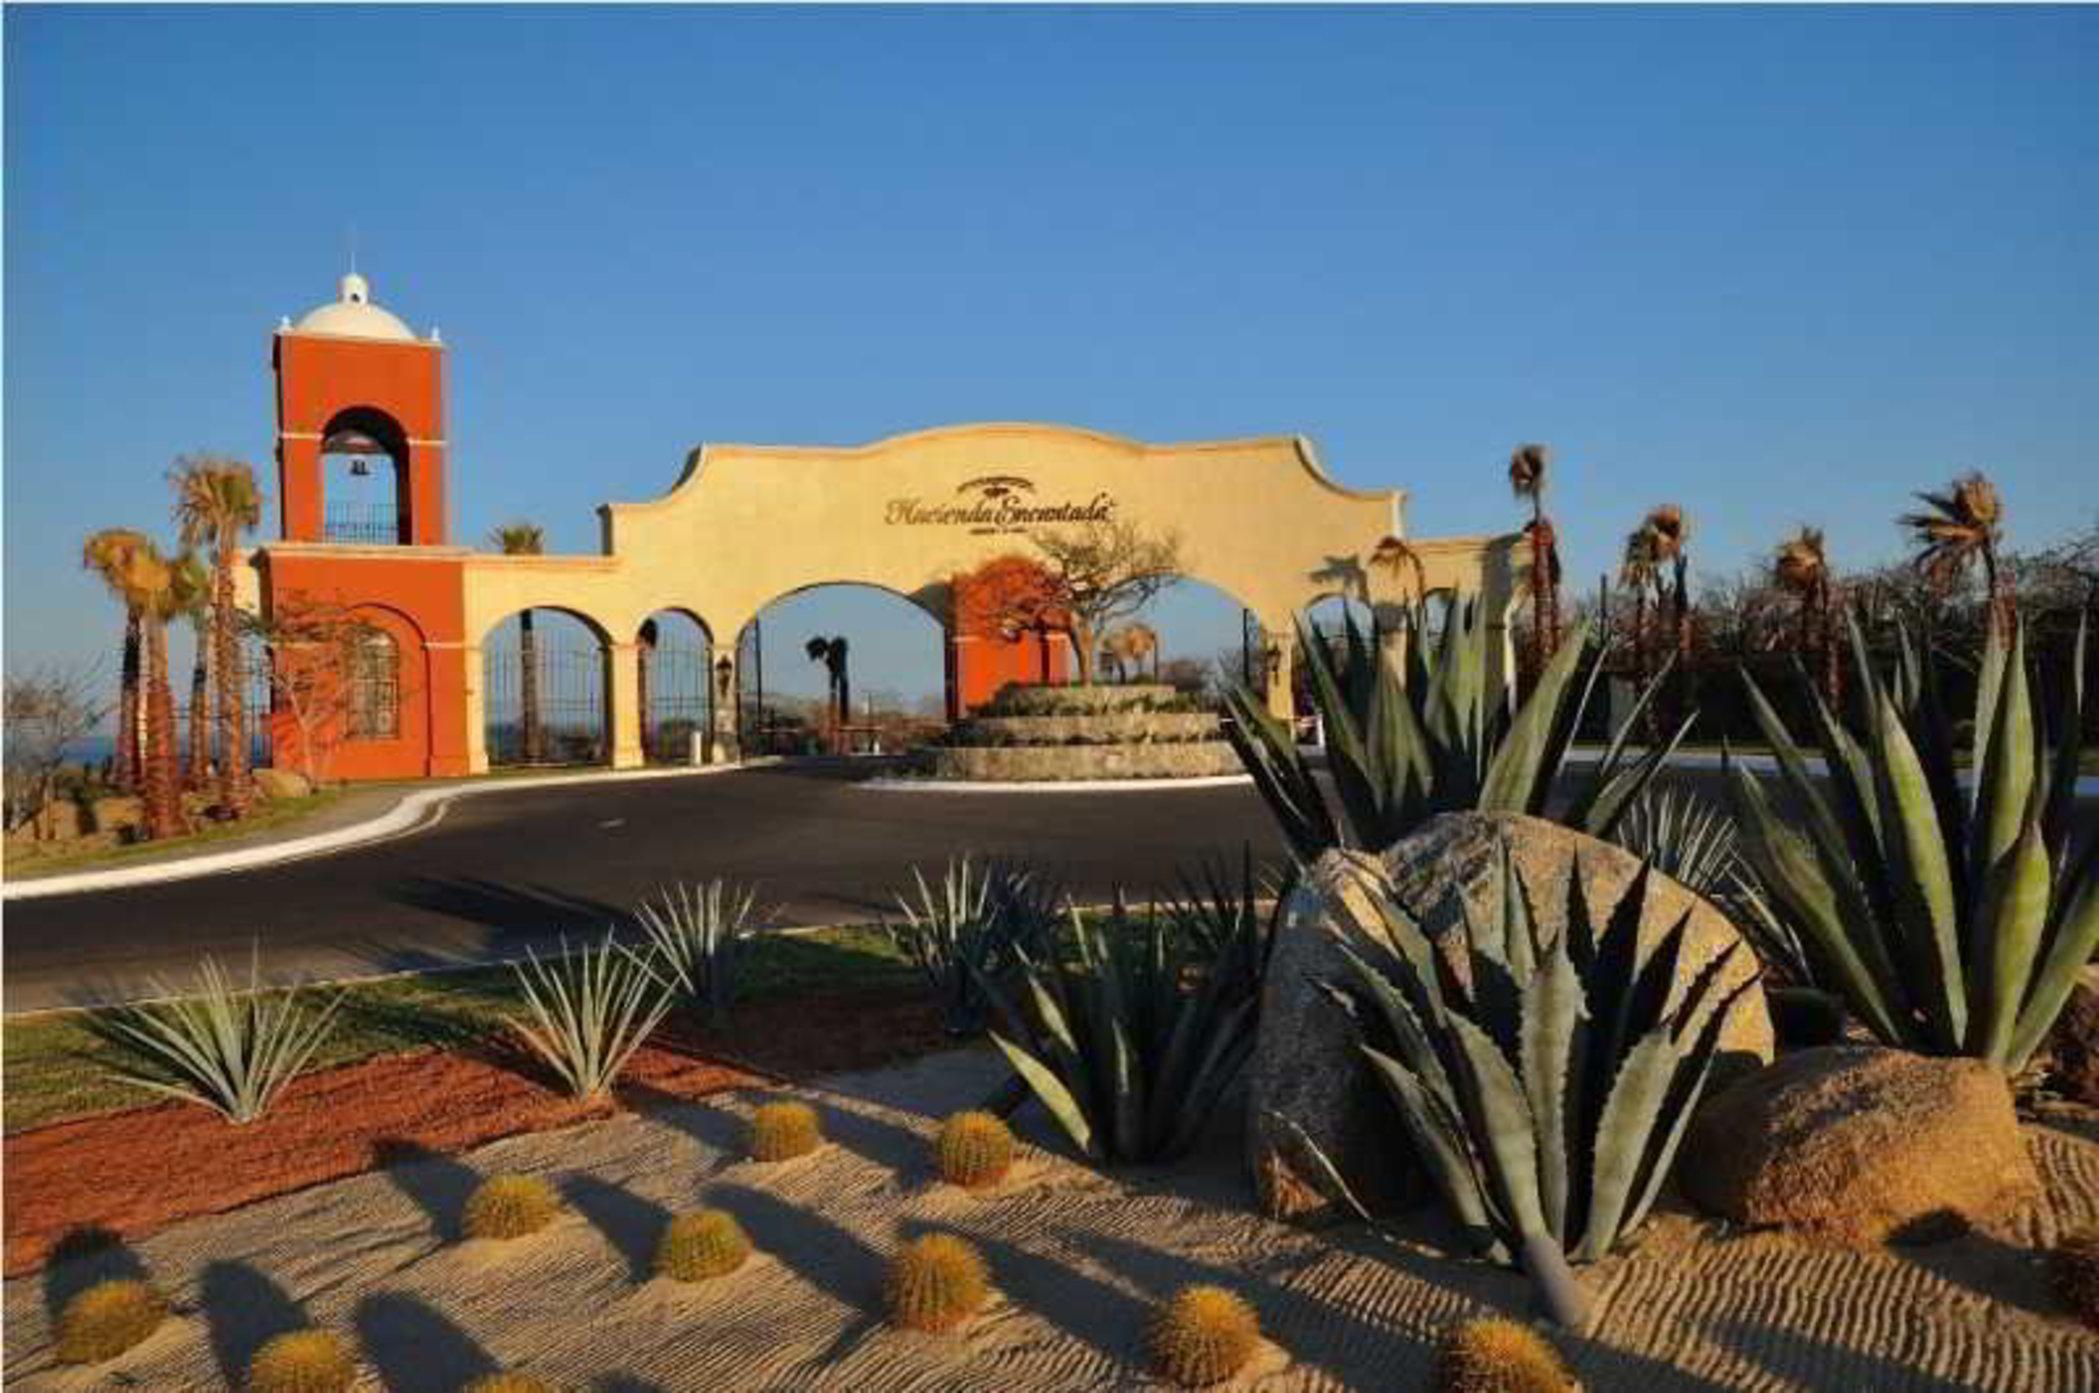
[
  {"x": 55, "y": 1066},
  {"x": 26, "y": 861}
]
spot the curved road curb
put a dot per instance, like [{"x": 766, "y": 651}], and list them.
[
  {"x": 1053, "y": 785},
  {"x": 412, "y": 812}
]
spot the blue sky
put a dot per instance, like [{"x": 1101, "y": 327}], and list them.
[{"x": 1780, "y": 266}]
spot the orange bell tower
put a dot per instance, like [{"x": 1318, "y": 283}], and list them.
[{"x": 354, "y": 381}]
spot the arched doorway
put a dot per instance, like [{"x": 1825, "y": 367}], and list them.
[
  {"x": 890, "y": 671},
  {"x": 364, "y": 479},
  {"x": 674, "y": 655},
  {"x": 544, "y": 690},
  {"x": 1192, "y": 635}
]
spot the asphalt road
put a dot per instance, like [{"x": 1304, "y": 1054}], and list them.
[{"x": 503, "y": 871}]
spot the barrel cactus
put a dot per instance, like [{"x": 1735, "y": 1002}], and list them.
[
  {"x": 975, "y": 1150},
  {"x": 2074, "y": 1269},
  {"x": 1544, "y": 1085},
  {"x": 705, "y": 1243},
  {"x": 303, "y": 1361},
  {"x": 936, "y": 1283},
  {"x": 1203, "y": 1335},
  {"x": 510, "y": 1206},
  {"x": 783, "y": 1131},
  {"x": 104, "y": 1320},
  {"x": 1498, "y": 1356}
]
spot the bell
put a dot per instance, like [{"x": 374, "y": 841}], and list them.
[{"x": 360, "y": 468}]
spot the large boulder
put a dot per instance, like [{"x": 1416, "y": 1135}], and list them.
[
  {"x": 1315, "y": 1115},
  {"x": 282, "y": 783},
  {"x": 1857, "y": 1144}
]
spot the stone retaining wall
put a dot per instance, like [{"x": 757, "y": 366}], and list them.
[
  {"x": 1037, "y": 701},
  {"x": 1120, "y": 727},
  {"x": 1029, "y": 763}
]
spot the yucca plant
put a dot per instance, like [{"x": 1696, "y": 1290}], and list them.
[
  {"x": 1433, "y": 734},
  {"x": 965, "y": 930},
  {"x": 1683, "y": 836},
  {"x": 589, "y": 1012},
  {"x": 228, "y": 1048},
  {"x": 697, "y": 936},
  {"x": 1951, "y": 922},
  {"x": 1544, "y": 1082},
  {"x": 1129, "y": 1036}
]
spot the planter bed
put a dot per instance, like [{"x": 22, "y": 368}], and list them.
[{"x": 1050, "y": 763}]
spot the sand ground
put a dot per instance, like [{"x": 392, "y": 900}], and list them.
[{"x": 1078, "y": 1257}]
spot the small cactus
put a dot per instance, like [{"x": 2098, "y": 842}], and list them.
[
  {"x": 783, "y": 1131},
  {"x": 508, "y": 1383},
  {"x": 1499, "y": 1356},
  {"x": 2074, "y": 1269},
  {"x": 106, "y": 1319},
  {"x": 304, "y": 1361},
  {"x": 936, "y": 1283},
  {"x": 975, "y": 1150},
  {"x": 1203, "y": 1335},
  {"x": 705, "y": 1243},
  {"x": 510, "y": 1206}
]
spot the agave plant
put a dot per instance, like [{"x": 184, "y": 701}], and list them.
[
  {"x": 1544, "y": 1083},
  {"x": 589, "y": 1012},
  {"x": 1127, "y": 1037},
  {"x": 1682, "y": 836},
  {"x": 1434, "y": 734},
  {"x": 228, "y": 1048},
  {"x": 697, "y": 936},
  {"x": 1221, "y": 910},
  {"x": 964, "y": 931},
  {"x": 1951, "y": 922}
]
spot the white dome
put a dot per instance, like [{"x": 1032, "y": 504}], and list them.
[{"x": 353, "y": 316}]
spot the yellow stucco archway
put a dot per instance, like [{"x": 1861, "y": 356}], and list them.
[{"x": 1258, "y": 518}]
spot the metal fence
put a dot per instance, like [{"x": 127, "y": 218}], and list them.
[
  {"x": 570, "y": 697},
  {"x": 361, "y": 522},
  {"x": 676, "y": 684}
]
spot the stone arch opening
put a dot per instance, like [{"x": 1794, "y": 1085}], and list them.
[
  {"x": 800, "y": 692},
  {"x": 674, "y": 686},
  {"x": 364, "y": 479},
  {"x": 546, "y": 689}
]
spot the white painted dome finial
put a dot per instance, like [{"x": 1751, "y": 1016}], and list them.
[{"x": 356, "y": 290}]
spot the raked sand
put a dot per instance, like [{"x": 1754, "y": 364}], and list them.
[{"x": 1077, "y": 1257}]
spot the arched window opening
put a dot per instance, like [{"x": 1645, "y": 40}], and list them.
[
  {"x": 544, "y": 690},
  {"x": 375, "y": 687},
  {"x": 364, "y": 472},
  {"x": 841, "y": 668},
  {"x": 675, "y": 657}
]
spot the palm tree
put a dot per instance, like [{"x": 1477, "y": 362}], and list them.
[
  {"x": 1802, "y": 568},
  {"x": 1527, "y": 477},
  {"x": 149, "y": 585},
  {"x": 1963, "y": 525},
  {"x": 1671, "y": 532},
  {"x": 108, "y": 554},
  {"x": 1394, "y": 554},
  {"x": 831, "y": 652},
  {"x": 191, "y": 600},
  {"x": 1638, "y": 572},
  {"x": 217, "y": 502},
  {"x": 525, "y": 539}
]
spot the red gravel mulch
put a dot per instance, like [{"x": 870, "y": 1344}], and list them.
[{"x": 135, "y": 1172}]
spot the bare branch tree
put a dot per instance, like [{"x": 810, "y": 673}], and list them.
[
  {"x": 47, "y": 711},
  {"x": 1105, "y": 572}
]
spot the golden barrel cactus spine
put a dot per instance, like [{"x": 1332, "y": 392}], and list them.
[
  {"x": 936, "y": 1283},
  {"x": 510, "y": 1206},
  {"x": 975, "y": 1150},
  {"x": 1203, "y": 1335},
  {"x": 783, "y": 1131},
  {"x": 1499, "y": 1356},
  {"x": 705, "y": 1243},
  {"x": 106, "y": 1319},
  {"x": 303, "y": 1361}
]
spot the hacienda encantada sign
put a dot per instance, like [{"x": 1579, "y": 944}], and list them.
[{"x": 998, "y": 503}]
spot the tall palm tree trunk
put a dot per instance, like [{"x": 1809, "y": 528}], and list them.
[
  {"x": 1832, "y": 659},
  {"x": 162, "y": 796},
  {"x": 1640, "y": 650},
  {"x": 1685, "y": 696},
  {"x": 528, "y": 686},
  {"x": 129, "y": 710},
  {"x": 233, "y": 687},
  {"x": 1545, "y": 596},
  {"x": 199, "y": 764}
]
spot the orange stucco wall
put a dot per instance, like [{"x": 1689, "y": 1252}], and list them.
[
  {"x": 420, "y": 600},
  {"x": 319, "y": 376},
  {"x": 980, "y": 661}
]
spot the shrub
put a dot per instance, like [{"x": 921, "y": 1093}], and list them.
[
  {"x": 975, "y": 1150},
  {"x": 1545, "y": 1087},
  {"x": 508, "y": 1383},
  {"x": 782, "y": 1131},
  {"x": 104, "y": 1320},
  {"x": 1498, "y": 1356},
  {"x": 589, "y": 1012},
  {"x": 935, "y": 1283},
  {"x": 969, "y": 929},
  {"x": 1203, "y": 1335},
  {"x": 697, "y": 936},
  {"x": 510, "y": 1206},
  {"x": 2073, "y": 1269},
  {"x": 705, "y": 1243},
  {"x": 1433, "y": 735},
  {"x": 228, "y": 1049},
  {"x": 303, "y": 1361},
  {"x": 1950, "y": 922},
  {"x": 1130, "y": 1037}
]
